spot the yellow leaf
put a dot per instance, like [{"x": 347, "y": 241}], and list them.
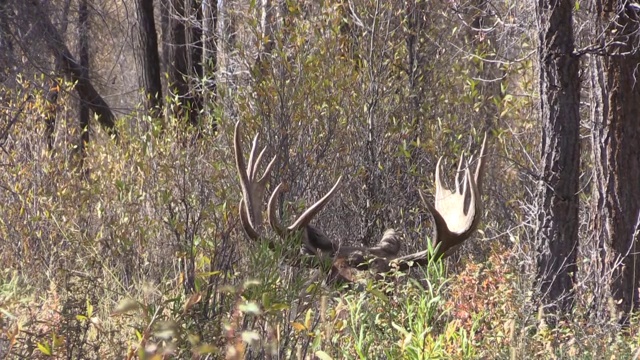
[
  {"x": 193, "y": 299},
  {"x": 407, "y": 340},
  {"x": 308, "y": 318},
  {"x": 298, "y": 327},
  {"x": 323, "y": 355}
]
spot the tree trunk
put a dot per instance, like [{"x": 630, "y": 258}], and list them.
[
  {"x": 150, "y": 59},
  {"x": 6, "y": 56},
  {"x": 86, "y": 92},
  {"x": 53, "y": 92},
  {"x": 267, "y": 27},
  {"x": 196, "y": 63},
  {"x": 210, "y": 52},
  {"x": 616, "y": 151},
  {"x": 557, "y": 231},
  {"x": 83, "y": 51},
  {"x": 182, "y": 58}
]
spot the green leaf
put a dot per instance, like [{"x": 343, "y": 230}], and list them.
[
  {"x": 379, "y": 294},
  {"x": 45, "y": 349},
  {"x": 89, "y": 309}
]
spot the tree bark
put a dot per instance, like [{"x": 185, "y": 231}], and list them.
[
  {"x": 267, "y": 27},
  {"x": 150, "y": 59},
  {"x": 615, "y": 101},
  {"x": 557, "y": 230},
  {"x": 6, "y": 56},
  {"x": 83, "y": 51},
  {"x": 196, "y": 67},
  {"x": 53, "y": 93},
  {"x": 183, "y": 58},
  {"x": 210, "y": 52}
]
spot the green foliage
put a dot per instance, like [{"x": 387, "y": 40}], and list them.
[{"x": 410, "y": 322}]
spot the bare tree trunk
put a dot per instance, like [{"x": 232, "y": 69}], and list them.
[
  {"x": 210, "y": 52},
  {"x": 6, "y": 55},
  {"x": 183, "y": 57},
  {"x": 178, "y": 54},
  {"x": 150, "y": 59},
  {"x": 53, "y": 93},
  {"x": 557, "y": 231},
  {"x": 196, "y": 62},
  {"x": 83, "y": 51},
  {"x": 616, "y": 154},
  {"x": 86, "y": 92},
  {"x": 267, "y": 26}
]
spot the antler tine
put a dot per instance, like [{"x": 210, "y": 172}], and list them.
[
  {"x": 306, "y": 217},
  {"x": 246, "y": 210},
  {"x": 460, "y": 162},
  {"x": 271, "y": 213},
  {"x": 470, "y": 216},
  {"x": 312, "y": 239},
  {"x": 246, "y": 223},
  {"x": 481, "y": 162},
  {"x": 253, "y": 168},
  {"x": 267, "y": 171},
  {"x": 254, "y": 163},
  {"x": 252, "y": 189},
  {"x": 439, "y": 183}
]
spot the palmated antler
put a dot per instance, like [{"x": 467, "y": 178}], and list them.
[{"x": 453, "y": 224}]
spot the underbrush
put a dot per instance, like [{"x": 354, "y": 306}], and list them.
[
  {"x": 477, "y": 313},
  {"x": 134, "y": 251}
]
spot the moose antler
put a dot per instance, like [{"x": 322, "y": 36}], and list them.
[
  {"x": 453, "y": 223},
  {"x": 312, "y": 238},
  {"x": 253, "y": 190},
  {"x": 252, "y": 187}
]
